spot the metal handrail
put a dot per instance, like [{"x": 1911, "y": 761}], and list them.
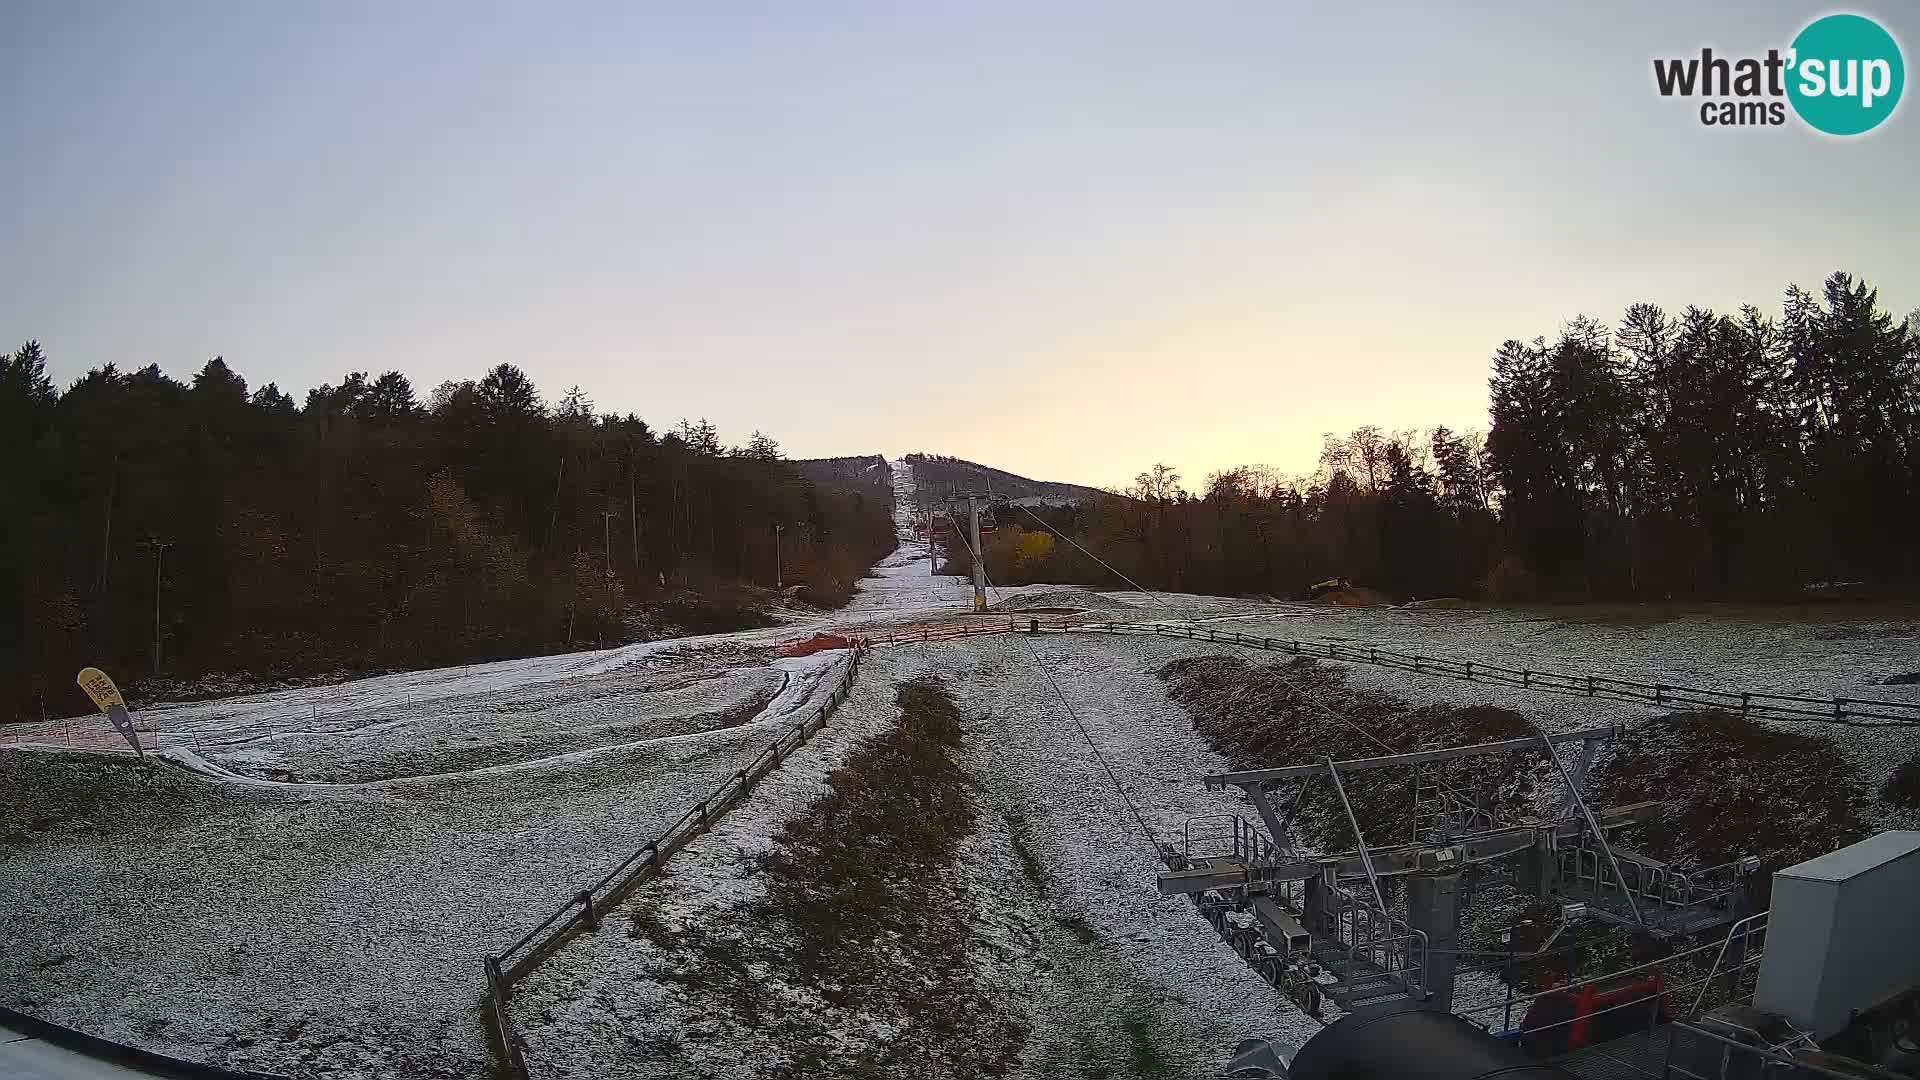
[
  {"x": 585, "y": 905},
  {"x": 1186, "y": 831},
  {"x": 1745, "y": 929},
  {"x": 1863, "y": 1068},
  {"x": 1576, "y": 984},
  {"x": 1661, "y": 884},
  {"x": 1389, "y": 944}
]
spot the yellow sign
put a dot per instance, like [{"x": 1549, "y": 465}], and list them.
[{"x": 100, "y": 688}]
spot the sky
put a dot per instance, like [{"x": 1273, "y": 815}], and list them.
[{"x": 1065, "y": 239}]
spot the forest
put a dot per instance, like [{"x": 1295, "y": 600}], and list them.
[
  {"x": 166, "y": 531},
  {"x": 1701, "y": 455}
]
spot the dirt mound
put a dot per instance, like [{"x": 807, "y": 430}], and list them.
[
  {"x": 1077, "y": 599},
  {"x": 1902, "y": 789},
  {"x": 1298, "y": 712},
  {"x": 1733, "y": 787},
  {"x": 1353, "y": 596}
]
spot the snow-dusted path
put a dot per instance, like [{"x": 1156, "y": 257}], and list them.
[
  {"x": 1154, "y": 953},
  {"x": 904, "y": 582}
]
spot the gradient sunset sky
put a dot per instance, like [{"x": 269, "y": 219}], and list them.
[{"x": 1064, "y": 239}]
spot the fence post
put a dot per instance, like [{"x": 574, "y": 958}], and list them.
[
  {"x": 1746, "y": 702},
  {"x": 1469, "y": 671},
  {"x": 586, "y": 905},
  {"x": 1659, "y": 689},
  {"x": 1839, "y": 714},
  {"x": 1589, "y": 686},
  {"x": 1526, "y": 679}
]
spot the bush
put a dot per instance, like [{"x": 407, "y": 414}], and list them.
[
  {"x": 1902, "y": 789},
  {"x": 1510, "y": 580}
]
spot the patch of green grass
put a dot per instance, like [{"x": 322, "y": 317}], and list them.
[
  {"x": 1118, "y": 1037},
  {"x": 1121, "y": 1041},
  {"x": 1149, "y": 1060},
  {"x": 1030, "y": 867},
  {"x": 647, "y": 923},
  {"x": 1081, "y": 930}
]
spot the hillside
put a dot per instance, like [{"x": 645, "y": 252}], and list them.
[
  {"x": 935, "y": 474},
  {"x": 867, "y": 474},
  {"x": 175, "y": 530}
]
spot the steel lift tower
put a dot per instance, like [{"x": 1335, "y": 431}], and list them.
[{"x": 976, "y": 501}]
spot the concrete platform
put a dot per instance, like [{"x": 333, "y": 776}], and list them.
[{"x": 23, "y": 1057}]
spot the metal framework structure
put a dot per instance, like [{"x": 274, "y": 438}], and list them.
[{"x": 1317, "y": 923}]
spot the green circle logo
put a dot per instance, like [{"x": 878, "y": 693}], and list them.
[{"x": 1846, "y": 75}]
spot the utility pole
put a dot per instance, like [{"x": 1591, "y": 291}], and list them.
[
  {"x": 553, "y": 523},
  {"x": 778, "y": 582},
  {"x": 159, "y": 556},
  {"x": 106, "y": 538},
  {"x": 606, "y": 541}
]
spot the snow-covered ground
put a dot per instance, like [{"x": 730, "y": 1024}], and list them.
[
  {"x": 337, "y": 929},
  {"x": 584, "y": 1013},
  {"x": 315, "y": 898}
]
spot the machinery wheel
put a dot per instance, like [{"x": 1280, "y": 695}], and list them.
[
  {"x": 1274, "y": 970},
  {"x": 1306, "y": 994}
]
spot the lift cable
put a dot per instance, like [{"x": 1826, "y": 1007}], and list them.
[
  {"x": 1146, "y": 830},
  {"x": 1311, "y": 699}
]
